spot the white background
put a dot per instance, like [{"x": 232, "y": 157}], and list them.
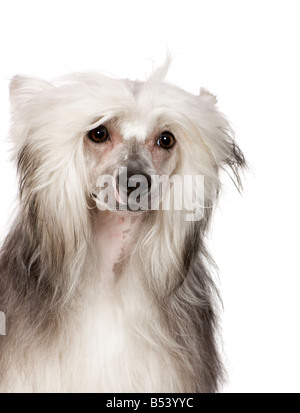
[{"x": 247, "y": 52}]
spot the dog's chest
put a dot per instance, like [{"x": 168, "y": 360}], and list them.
[{"x": 112, "y": 351}]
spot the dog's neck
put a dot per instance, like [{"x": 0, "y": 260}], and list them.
[{"x": 114, "y": 237}]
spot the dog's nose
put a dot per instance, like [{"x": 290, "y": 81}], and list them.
[
  {"x": 134, "y": 178},
  {"x": 129, "y": 180}
]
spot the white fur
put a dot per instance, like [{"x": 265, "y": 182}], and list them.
[{"x": 113, "y": 331}]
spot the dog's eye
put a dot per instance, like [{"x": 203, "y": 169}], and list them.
[
  {"x": 166, "y": 140},
  {"x": 99, "y": 135}
]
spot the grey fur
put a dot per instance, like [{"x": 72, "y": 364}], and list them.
[{"x": 38, "y": 287}]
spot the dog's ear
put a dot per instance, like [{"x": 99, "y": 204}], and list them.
[
  {"x": 227, "y": 154},
  {"x": 207, "y": 96},
  {"x": 23, "y": 88}
]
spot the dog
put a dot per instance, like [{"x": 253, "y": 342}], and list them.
[{"x": 101, "y": 294}]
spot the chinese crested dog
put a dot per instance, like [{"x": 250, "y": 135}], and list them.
[{"x": 104, "y": 277}]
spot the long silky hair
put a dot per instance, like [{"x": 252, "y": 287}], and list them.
[{"x": 47, "y": 255}]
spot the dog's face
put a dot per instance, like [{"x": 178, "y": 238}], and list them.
[{"x": 132, "y": 153}]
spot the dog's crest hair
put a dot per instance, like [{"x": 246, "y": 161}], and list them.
[{"x": 162, "y": 315}]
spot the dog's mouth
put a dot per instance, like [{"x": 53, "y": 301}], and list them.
[
  {"x": 121, "y": 203},
  {"x": 141, "y": 203},
  {"x": 127, "y": 190}
]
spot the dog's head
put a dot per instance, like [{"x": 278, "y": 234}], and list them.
[{"x": 71, "y": 135}]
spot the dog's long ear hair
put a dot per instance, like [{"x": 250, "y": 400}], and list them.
[
  {"x": 52, "y": 234},
  {"x": 172, "y": 244},
  {"x": 206, "y": 147},
  {"x": 231, "y": 158}
]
